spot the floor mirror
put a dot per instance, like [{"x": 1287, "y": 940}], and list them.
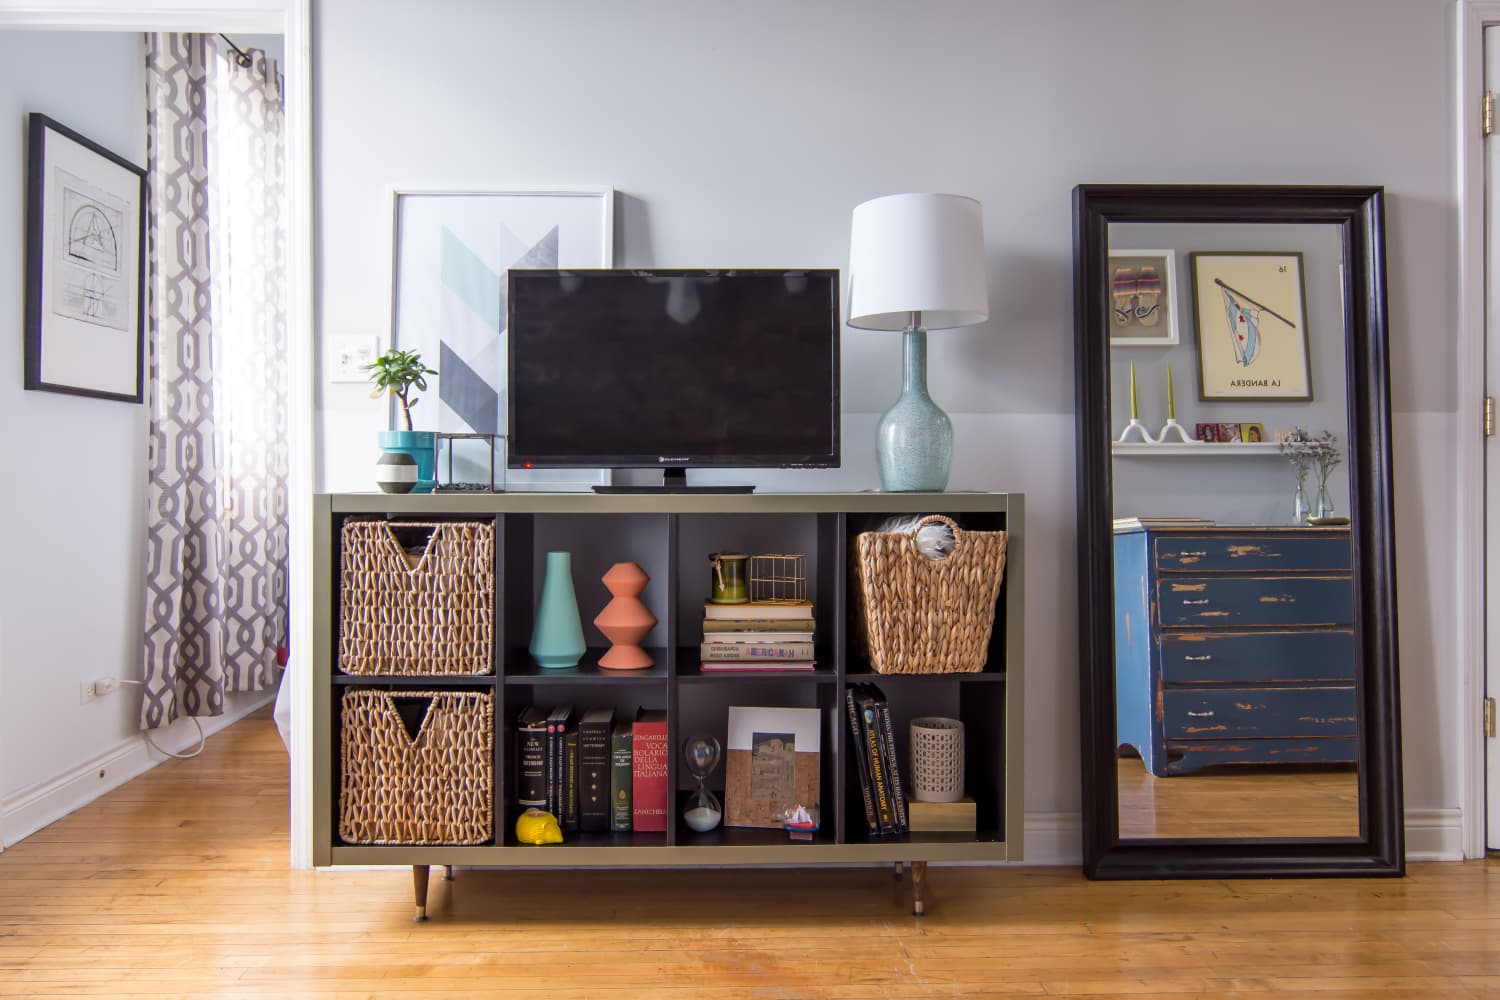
[{"x": 1240, "y": 708}]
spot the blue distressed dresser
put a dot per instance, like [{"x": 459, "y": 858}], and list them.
[{"x": 1234, "y": 645}]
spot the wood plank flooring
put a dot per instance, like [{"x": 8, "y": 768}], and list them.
[
  {"x": 177, "y": 886},
  {"x": 1239, "y": 801}
]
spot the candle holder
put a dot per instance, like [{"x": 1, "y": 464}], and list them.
[{"x": 1173, "y": 427}]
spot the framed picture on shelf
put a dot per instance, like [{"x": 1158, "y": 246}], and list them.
[
  {"x": 1143, "y": 298},
  {"x": 772, "y": 763},
  {"x": 450, "y": 251},
  {"x": 1250, "y": 321},
  {"x": 85, "y": 244}
]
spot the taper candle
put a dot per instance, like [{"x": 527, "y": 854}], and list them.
[
  {"x": 1171, "y": 399},
  {"x": 1135, "y": 412}
]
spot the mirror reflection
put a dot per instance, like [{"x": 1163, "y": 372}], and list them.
[{"x": 1235, "y": 653}]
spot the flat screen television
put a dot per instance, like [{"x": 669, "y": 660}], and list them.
[{"x": 673, "y": 369}]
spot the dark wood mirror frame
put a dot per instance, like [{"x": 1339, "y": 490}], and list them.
[{"x": 1359, "y": 214}]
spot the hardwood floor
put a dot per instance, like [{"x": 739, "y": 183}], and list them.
[
  {"x": 177, "y": 885},
  {"x": 1239, "y": 801}
]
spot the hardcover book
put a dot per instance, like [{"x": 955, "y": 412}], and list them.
[
  {"x": 593, "y": 768},
  {"x": 570, "y": 779},
  {"x": 862, "y": 767},
  {"x": 619, "y": 778},
  {"x": 756, "y": 666},
  {"x": 531, "y": 758},
  {"x": 648, "y": 771},
  {"x": 772, "y": 763},
  {"x": 757, "y": 611},
  {"x": 557, "y": 725},
  {"x": 869, "y": 726},
  {"x": 757, "y": 650},
  {"x": 714, "y": 626}
]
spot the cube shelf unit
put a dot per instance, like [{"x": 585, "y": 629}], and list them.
[{"x": 670, "y": 536}]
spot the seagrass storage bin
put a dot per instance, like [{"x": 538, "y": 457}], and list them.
[
  {"x": 916, "y": 615},
  {"x": 437, "y": 787},
  {"x": 416, "y": 614}
]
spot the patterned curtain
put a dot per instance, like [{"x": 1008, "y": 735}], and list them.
[{"x": 216, "y": 534}]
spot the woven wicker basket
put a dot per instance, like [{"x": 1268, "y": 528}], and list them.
[
  {"x": 438, "y": 788},
  {"x": 428, "y": 616},
  {"x": 917, "y": 615}
]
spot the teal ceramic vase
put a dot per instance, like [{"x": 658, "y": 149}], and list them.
[
  {"x": 914, "y": 441},
  {"x": 557, "y": 639},
  {"x": 421, "y": 446}
]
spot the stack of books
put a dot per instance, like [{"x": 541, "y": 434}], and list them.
[
  {"x": 592, "y": 773},
  {"x": 759, "y": 635},
  {"x": 874, "y": 744}
]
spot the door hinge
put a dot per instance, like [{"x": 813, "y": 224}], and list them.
[
  {"x": 1489, "y": 416},
  {"x": 1489, "y": 717},
  {"x": 1487, "y": 122}
]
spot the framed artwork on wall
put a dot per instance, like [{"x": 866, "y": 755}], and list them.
[
  {"x": 1250, "y": 320},
  {"x": 1142, "y": 298},
  {"x": 85, "y": 244},
  {"x": 450, "y": 252}
]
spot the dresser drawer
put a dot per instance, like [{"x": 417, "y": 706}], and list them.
[
  {"x": 1256, "y": 657},
  {"x": 1230, "y": 601},
  {"x": 1247, "y": 713},
  {"x": 1315, "y": 551}
]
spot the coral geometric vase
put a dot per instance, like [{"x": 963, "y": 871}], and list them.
[{"x": 625, "y": 620}]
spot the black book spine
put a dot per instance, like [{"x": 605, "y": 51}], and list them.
[
  {"x": 892, "y": 769},
  {"x": 593, "y": 779},
  {"x": 864, "y": 767},
  {"x": 879, "y": 790},
  {"x": 569, "y": 815},
  {"x": 553, "y": 759},
  {"x": 532, "y": 780}
]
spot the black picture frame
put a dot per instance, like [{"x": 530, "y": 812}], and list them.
[
  {"x": 1359, "y": 213},
  {"x": 85, "y": 296}
]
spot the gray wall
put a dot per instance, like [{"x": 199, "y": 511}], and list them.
[
  {"x": 745, "y": 133},
  {"x": 71, "y": 601}
]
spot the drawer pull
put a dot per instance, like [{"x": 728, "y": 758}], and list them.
[
  {"x": 1201, "y": 715},
  {"x": 1200, "y": 601},
  {"x": 1198, "y": 659},
  {"x": 1200, "y": 555}
]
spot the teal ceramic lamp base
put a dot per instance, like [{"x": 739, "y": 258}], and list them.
[{"x": 914, "y": 441}]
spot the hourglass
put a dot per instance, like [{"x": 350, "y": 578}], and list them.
[{"x": 703, "y": 812}]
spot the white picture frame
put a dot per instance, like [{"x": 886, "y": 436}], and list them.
[
  {"x": 85, "y": 252},
  {"x": 449, "y": 254},
  {"x": 1134, "y": 333}
]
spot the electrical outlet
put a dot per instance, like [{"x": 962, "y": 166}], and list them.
[
  {"x": 86, "y": 692},
  {"x": 104, "y": 686}
]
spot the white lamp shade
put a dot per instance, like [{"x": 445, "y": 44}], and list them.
[{"x": 917, "y": 253}]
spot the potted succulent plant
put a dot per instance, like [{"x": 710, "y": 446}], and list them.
[{"x": 397, "y": 373}]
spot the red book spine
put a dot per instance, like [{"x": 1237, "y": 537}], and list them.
[{"x": 648, "y": 779}]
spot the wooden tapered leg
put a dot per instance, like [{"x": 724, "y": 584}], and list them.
[
  {"x": 447, "y": 873},
  {"x": 918, "y": 888},
  {"x": 419, "y": 875}
]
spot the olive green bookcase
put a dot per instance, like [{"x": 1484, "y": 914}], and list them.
[{"x": 671, "y": 537}]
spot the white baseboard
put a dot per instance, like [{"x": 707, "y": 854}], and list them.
[
  {"x": 1431, "y": 835},
  {"x": 1434, "y": 834},
  {"x": 46, "y": 802}
]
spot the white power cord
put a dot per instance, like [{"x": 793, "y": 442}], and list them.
[{"x": 202, "y": 736}]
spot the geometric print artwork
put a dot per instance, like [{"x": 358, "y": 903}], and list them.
[
  {"x": 216, "y": 533},
  {"x": 471, "y": 370}
]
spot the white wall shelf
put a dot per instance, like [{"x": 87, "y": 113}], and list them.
[{"x": 1199, "y": 448}]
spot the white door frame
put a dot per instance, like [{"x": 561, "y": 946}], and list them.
[
  {"x": 291, "y": 19},
  {"x": 1473, "y": 16}
]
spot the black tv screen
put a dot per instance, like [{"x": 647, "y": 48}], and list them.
[{"x": 673, "y": 368}]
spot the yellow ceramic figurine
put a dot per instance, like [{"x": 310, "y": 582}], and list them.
[{"x": 537, "y": 826}]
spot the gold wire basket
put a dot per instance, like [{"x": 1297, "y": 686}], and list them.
[{"x": 778, "y": 578}]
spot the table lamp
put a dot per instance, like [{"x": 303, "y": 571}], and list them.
[{"x": 916, "y": 261}]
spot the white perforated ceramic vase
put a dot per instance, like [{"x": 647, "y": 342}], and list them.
[{"x": 937, "y": 759}]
